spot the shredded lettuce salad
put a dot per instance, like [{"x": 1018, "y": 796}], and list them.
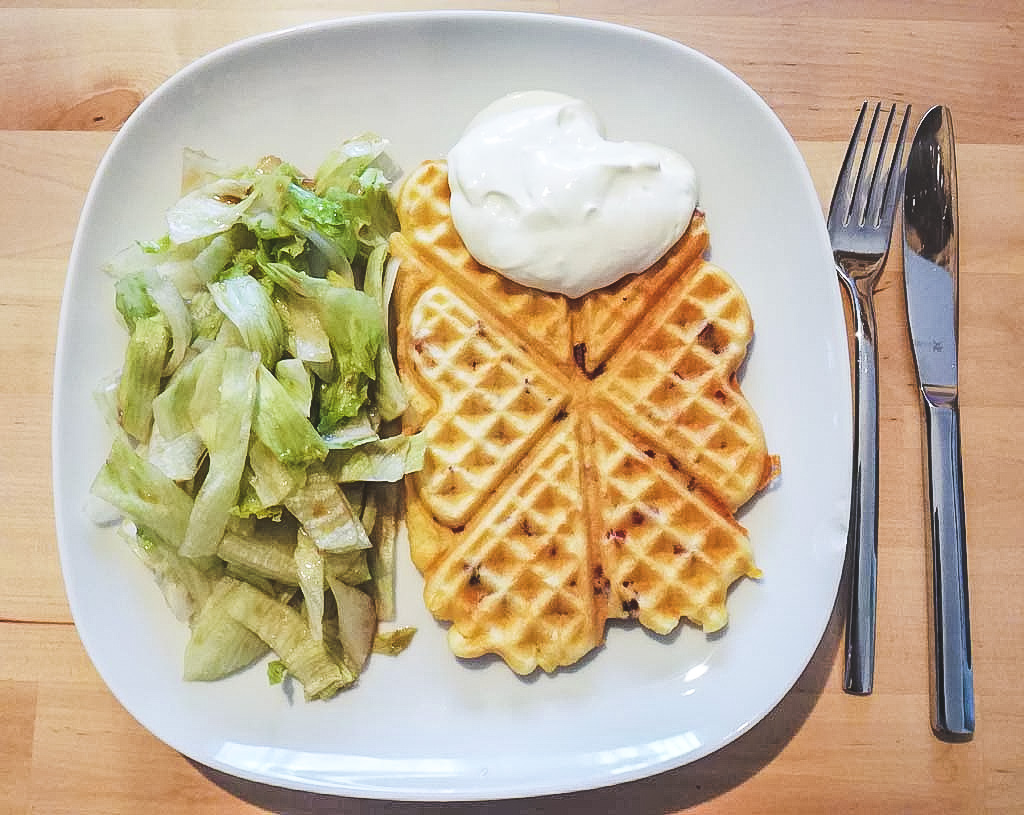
[{"x": 254, "y": 467}]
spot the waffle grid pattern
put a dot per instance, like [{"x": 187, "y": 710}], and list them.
[
  {"x": 668, "y": 551},
  {"x": 493, "y": 402},
  {"x": 679, "y": 384},
  {"x": 565, "y": 489},
  {"x": 521, "y": 577}
]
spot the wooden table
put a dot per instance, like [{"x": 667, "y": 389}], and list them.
[{"x": 71, "y": 72}]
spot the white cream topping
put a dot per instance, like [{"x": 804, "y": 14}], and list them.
[{"x": 542, "y": 197}]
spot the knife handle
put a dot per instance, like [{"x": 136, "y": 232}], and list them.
[
  {"x": 953, "y": 676},
  {"x": 862, "y": 544}
]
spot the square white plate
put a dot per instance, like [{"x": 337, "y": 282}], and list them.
[{"x": 425, "y": 725}]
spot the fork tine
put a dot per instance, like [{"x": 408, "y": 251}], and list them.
[
  {"x": 887, "y": 201},
  {"x": 842, "y": 197},
  {"x": 876, "y": 195},
  {"x": 866, "y": 177}
]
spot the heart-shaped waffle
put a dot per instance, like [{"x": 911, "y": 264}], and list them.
[{"x": 584, "y": 457}]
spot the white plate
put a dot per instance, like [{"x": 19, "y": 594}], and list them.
[{"x": 425, "y": 725}]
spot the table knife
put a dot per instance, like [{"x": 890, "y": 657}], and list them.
[{"x": 930, "y": 267}]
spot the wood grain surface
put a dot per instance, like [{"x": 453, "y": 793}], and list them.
[{"x": 70, "y": 74}]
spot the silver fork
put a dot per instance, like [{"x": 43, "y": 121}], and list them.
[{"x": 860, "y": 223}]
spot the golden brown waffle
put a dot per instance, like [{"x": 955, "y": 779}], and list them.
[{"x": 584, "y": 457}]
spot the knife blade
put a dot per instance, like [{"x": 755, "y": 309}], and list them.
[{"x": 931, "y": 271}]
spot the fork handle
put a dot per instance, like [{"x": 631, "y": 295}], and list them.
[
  {"x": 952, "y": 675},
  {"x": 862, "y": 544}
]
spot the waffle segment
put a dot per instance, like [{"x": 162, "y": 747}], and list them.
[
  {"x": 669, "y": 549},
  {"x": 678, "y": 374},
  {"x": 519, "y": 583},
  {"x": 487, "y": 401},
  {"x": 585, "y": 457}
]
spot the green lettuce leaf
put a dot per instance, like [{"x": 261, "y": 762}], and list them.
[
  {"x": 228, "y": 447},
  {"x": 151, "y": 500},
  {"x": 281, "y": 426},
  {"x": 141, "y": 377},
  {"x": 219, "y": 644},
  {"x": 247, "y": 303},
  {"x": 388, "y": 459},
  {"x": 326, "y": 515}
]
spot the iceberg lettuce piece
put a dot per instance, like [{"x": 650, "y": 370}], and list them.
[
  {"x": 341, "y": 400},
  {"x": 327, "y": 225},
  {"x": 182, "y": 275},
  {"x": 295, "y": 378},
  {"x": 356, "y": 330},
  {"x": 209, "y": 210},
  {"x": 393, "y": 642},
  {"x": 219, "y": 645},
  {"x": 228, "y": 447},
  {"x": 370, "y": 508},
  {"x": 203, "y": 392},
  {"x": 207, "y": 318},
  {"x": 280, "y": 425},
  {"x": 246, "y": 302},
  {"x": 184, "y": 583},
  {"x": 199, "y": 168},
  {"x": 178, "y": 458},
  {"x": 172, "y": 407},
  {"x": 387, "y": 459},
  {"x": 282, "y": 628},
  {"x": 105, "y": 397},
  {"x": 142, "y": 375},
  {"x": 309, "y": 564},
  {"x": 245, "y": 575},
  {"x": 216, "y": 256},
  {"x": 352, "y": 432},
  {"x": 391, "y": 398},
  {"x": 142, "y": 255},
  {"x": 377, "y": 208},
  {"x": 305, "y": 337},
  {"x": 250, "y": 506},
  {"x": 171, "y": 304},
  {"x": 228, "y": 336},
  {"x": 132, "y": 299},
  {"x": 357, "y": 623},
  {"x": 355, "y": 326},
  {"x": 324, "y": 512},
  {"x": 272, "y": 479},
  {"x": 348, "y": 567},
  {"x": 268, "y": 556},
  {"x": 391, "y": 269},
  {"x": 343, "y": 165},
  {"x": 143, "y": 494},
  {"x": 145, "y": 294},
  {"x": 382, "y": 557},
  {"x": 373, "y": 279}
]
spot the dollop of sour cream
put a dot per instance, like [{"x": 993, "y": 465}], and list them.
[{"x": 542, "y": 197}]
